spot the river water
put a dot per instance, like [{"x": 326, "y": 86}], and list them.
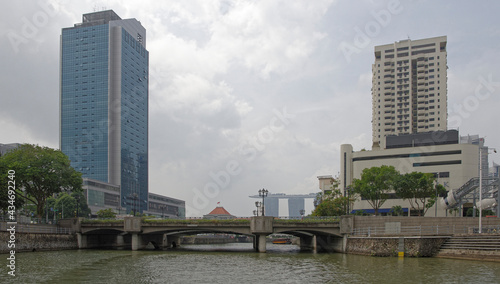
[{"x": 238, "y": 263}]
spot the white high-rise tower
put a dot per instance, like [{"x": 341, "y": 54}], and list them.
[{"x": 409, "y": 91}]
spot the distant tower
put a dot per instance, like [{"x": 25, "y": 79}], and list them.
[
  {"x": 409, "y": 88},
  {"x": 104, "y": 103}
]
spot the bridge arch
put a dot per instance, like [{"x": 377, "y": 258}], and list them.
[{"x": 315, "y": 240}]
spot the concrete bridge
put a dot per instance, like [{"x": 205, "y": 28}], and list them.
[{"x": 136, "y": 234}]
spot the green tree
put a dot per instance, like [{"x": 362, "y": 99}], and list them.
[
  {"x": 50, "y": 206},
  {"x": 8, "y": 181},
  {"x": 332, "y": 203},
  {"x": 40, "y": 172},
  {"x": 106, "y": 213},
  {"x": 397, "y": 210},
  {"x": 375, "y": 184},
  {"x": 330, "y": 207},
  {"x": 418, "y": 188},
  {"x": 82, "y": 206},
  {"x": 65, "y": 205}
]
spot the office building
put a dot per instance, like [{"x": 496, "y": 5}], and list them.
[
  {"x": 409, "y": 130},
  {"x": 440, "y": 153},
  {"x": 5, "y": 148},
  {"x": 325, "y": 183},
  {"x": 102, "y": 195},
  {"x": 104, "y": 103},
  {"x": 409, "y": 88},
  {"x": 166, "y": 207}
]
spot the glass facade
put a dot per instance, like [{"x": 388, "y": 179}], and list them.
[
  {"x": 93, "y": 58},
  {"x": 84, "y": 99},
  {"x": 134, "y": 123}
]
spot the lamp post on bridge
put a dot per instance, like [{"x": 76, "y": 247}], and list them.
[
  {"x": 263, "y": 193},
  {"x": 481, "y": 184},
  {"x": 258, "y": 204}
]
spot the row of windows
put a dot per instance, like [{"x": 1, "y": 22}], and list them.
[
  {"x": 413, "y": 47},
  {"x": 439, "y": 163},
  {"x": 133, "y": 43}
]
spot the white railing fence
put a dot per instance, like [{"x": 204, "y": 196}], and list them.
[{"x": 424, "y": 230}]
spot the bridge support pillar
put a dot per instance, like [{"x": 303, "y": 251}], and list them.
[
  {"x": 261, "y": 226},
  {"x": 82, "y": 240},
  {"x": 308, "y": 243},
  {"x": 261, "y": 242},
  {"x": 136, "y": 241},
  {"x": 120, "y": 242}
]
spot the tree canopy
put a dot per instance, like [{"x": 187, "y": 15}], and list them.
[
  {"x": 418, "y": 188},
  {"x": 375, "y": 184},
  {"x": 332, "y": 205},
  {"x": 40, "y": 172},
  {"x": 332, "y": 202},
  {"x": 70, "y": 205},
  {"x": 106, "y": 213}
]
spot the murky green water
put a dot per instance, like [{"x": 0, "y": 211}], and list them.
[{"x": 237, "y": 263}]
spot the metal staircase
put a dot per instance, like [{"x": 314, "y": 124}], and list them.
[{"x": 469, "y": 192}]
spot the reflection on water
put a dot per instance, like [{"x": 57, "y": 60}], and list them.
[{"x": 238, "y": 263}]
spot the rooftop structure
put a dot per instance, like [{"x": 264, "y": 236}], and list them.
[{"x": 219, "y": 213}]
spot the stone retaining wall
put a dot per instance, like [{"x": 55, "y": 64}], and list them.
[
  {"x": 388, "y": 246},
  {"x": 35, "y": 241}
]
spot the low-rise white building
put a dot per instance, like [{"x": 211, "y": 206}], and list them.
[{"x": 439, "y": 153}]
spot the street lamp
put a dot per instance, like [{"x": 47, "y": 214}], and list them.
[
  {"x": 481, "y": 184},
  {"x": 435, "y": 202},
  {"x": 258, "y": 204},
  {"x": 349, "y": 190},
  {"x": 263, "y": 193}
]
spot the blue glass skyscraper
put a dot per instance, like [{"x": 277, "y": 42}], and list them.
[{"x": 104, "y": 103}]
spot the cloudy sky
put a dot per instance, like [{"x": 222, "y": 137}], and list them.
[{"x": 247, "y": 95}]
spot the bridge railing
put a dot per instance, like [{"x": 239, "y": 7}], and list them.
[
  {"x": 33, "y": 228},
  {"x": 308, "y": 218},
  {"x": 423, "y": 230}
]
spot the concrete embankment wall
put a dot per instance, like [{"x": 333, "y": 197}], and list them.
[
  {"x": 37, "y": 242},
  {"x": 389, "y": 246},
  {"x": 459, "y": 224}
]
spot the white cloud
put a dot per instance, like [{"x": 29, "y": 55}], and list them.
[{"x": 219, "y": 68}]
